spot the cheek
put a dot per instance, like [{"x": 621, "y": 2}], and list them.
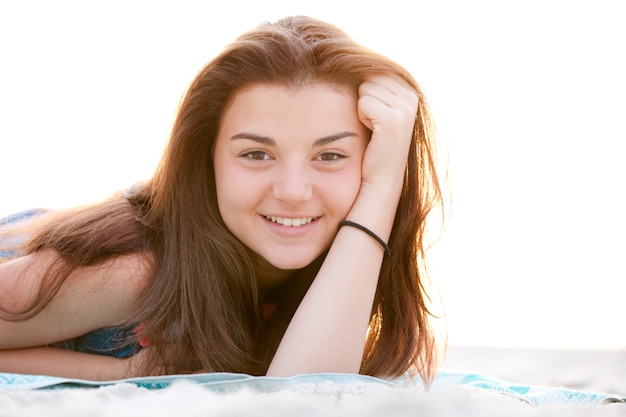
[
  {"x": 343, "y": 188},
  {"x": 239, "y": 192},
  {"x": 231, "y": 190},
  {"x": 228, "y": 199}
]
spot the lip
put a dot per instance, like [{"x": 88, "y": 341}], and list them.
[
  {"x": 291, "y": 221},
  {"x": 272, "y": 221}
]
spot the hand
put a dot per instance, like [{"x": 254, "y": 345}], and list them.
[{"x": 387, "y": 106}]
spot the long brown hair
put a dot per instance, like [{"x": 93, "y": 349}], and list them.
[{"x": 202, "y": 305}]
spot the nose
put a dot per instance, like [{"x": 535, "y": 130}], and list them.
[{"x": 293, "y": 183}]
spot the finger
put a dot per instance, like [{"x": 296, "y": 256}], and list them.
[
  {"x": 387, "y": 88},
  {"x": 368, "y": 108},
  {"x": 401, "y": 100},
  {"x": 377, "y": 91}
]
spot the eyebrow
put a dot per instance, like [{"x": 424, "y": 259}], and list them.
[{"x": 265, "y": 140}]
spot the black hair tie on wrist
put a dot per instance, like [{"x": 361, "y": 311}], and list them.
[{"x": 369, "y": 232}]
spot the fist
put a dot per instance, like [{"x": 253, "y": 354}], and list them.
[{"x": 387, "y": 106}]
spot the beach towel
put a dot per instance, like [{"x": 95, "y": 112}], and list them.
[
  {"x": 451, "y": 394},
  {"x": 223, "y": 382}
]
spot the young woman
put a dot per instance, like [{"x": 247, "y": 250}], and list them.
[{"x": 281, "y": 234}]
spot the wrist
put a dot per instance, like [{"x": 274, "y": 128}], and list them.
[
  {"x": 364, "y": 229},
  {"x": 375, "y": 208}
]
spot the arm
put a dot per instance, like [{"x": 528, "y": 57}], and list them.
[
  {"x": 65, "y": 363},
  {"x": 327, "y": 332},
  {"x": 90, "y": 298}
]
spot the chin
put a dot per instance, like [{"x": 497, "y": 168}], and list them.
[
  {"x": 290, "y": 265},
  {"x": 290, "y": 262}
]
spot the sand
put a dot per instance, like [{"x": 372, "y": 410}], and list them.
[{"x": 596, "y": 371}]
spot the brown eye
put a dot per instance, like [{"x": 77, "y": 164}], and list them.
[
  {"x": 330, "y": 156},
  {"x": 256, "y": 155}
]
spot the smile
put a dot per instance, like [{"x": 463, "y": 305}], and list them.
[{"x": 290, "y": 222}]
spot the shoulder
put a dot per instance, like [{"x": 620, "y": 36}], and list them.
[
  {"x": 92, "y": 297},
  {"x": 20, "y": 278},
  {"x": 116, "y": 283},
  {"x": 123, "y": 277}
]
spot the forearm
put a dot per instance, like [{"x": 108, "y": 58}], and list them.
[
  {"x": 327, "y": 333},
  {"x": 63, "y": 363}
]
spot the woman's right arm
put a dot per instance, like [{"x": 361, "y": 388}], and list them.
[
  {"x": 54, "y": 361},
  {"x": 90, "y": 298}
]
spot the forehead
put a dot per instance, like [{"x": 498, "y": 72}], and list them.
[
  {"x": 277, "y": 89},
  {"x": 267, "y": 103}
]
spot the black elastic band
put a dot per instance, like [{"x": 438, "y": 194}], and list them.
[{"x": 369, "y": 232}]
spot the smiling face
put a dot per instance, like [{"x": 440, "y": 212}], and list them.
[{"x": 288, "y": 168}]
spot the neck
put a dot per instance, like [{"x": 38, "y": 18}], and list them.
[{"x": 268, "y": 275}]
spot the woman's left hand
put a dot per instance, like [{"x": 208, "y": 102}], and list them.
[{"x": 387, "y": 105}]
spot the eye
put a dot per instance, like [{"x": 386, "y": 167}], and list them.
[
  {"x": 330, "y": 156},
  {"x": 255, "y": 155}
]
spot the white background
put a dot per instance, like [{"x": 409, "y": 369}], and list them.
[{"x": 530, "y": 97}]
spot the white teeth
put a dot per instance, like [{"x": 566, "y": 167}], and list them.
[{"x": 290, "y": 222}]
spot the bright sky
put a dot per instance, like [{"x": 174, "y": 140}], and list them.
[{"x": 530, "y": 101}]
